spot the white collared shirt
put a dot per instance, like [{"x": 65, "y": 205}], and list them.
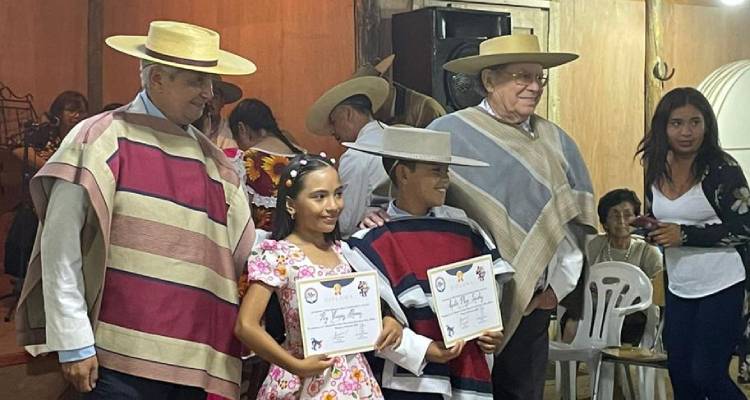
[
  {"x": 525, "y": 125},
  {"x": 395, "y": 212},
  {"x": 361, "y": 173}
]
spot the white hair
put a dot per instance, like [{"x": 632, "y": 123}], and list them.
[
  {"x": 147, "y": 66},
  {"x": 478, "y": 83}
]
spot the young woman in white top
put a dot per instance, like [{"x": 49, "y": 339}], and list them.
[{"x": 700, "y": 196}]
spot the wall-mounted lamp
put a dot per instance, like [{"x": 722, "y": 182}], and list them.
[{"x": 732, "y": 2}]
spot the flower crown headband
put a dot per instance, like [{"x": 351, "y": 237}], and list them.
[{"x": 303, "y": 162}]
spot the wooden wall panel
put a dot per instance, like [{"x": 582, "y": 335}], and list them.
[
  {"x": 700, "y": 39},
  {"x": 43, "y": 48},
  {"x": 601, "y": 93},
  {"x": 301, "y": 49}
]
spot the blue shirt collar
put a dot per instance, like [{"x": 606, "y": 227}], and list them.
[{"x": 151, "y": 109}]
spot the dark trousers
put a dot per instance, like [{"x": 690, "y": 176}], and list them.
[
  {"x": 520, "y": 369},
  {"x": 700, "y": 335},
  {"x": 113, "y": 385}
]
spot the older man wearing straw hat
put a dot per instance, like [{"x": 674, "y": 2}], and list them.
[
  {"x": 535, "y": 199},
  {"x": 144, "y": 231},
  {"x": 346, "y": 111}
]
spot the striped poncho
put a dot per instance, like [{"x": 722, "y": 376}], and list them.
[
  {"x": 401, "y": 252},
  {"x": 536, "y": 187},
  {"x": 168, "y": 231}
]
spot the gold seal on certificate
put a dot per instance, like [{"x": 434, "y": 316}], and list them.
[
  {"x": 339, "y": 315},
  {"x": 464, "y": 297}
]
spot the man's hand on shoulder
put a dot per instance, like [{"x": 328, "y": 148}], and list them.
[{"x": 374, "y": 217}]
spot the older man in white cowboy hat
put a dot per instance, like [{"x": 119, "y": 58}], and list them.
[
  {"x": 536, "y": 198},
  {"x": 417, "y": 162},
  {"x": 144, "y": 231},
  {"x": 346, "y": 111}
]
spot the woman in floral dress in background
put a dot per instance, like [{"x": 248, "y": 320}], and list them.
[{"x": 264, "y": 151}]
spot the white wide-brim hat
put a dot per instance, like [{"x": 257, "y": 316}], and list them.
[
  {"x": 518, "y": 48},
  {"x": 416, "y": 144},
  {"x": 182, "y": 45},
  {"x": 375, "y": 88}
]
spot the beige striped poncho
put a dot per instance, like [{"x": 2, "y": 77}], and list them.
[{"x": 167, "y": 234}]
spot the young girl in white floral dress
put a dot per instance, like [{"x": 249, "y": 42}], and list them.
[{"x": 304, "y": 243}]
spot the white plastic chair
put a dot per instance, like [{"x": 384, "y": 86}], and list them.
[
  {"x": 649, "y": 360},
  {"x": 613, "y": 290}
]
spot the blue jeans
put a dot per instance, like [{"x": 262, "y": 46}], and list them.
[
  {"x": 700, "y": 335},
  {"x": 113, "y": 385}
]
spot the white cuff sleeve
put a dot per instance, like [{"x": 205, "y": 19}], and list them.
[
  {"x": 570, "y": 259},
  {"x": 411, "y": 353}
]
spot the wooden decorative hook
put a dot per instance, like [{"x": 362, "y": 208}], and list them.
[{"x": 660, "y": 71}]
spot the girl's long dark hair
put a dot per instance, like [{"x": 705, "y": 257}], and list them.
[
  {"x": 654, "y": 147},
  {"x": 256, "y": 115},
  {"x": 283, "y": 224}
]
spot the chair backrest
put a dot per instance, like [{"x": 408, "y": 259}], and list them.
[
  {"x": 652, "y": 331},
  {"x": 613, "y": 290}
]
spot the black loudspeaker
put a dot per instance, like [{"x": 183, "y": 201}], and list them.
[{"x": 425, "y": 39}]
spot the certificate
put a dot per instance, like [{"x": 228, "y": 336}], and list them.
[
  {"x": 340, "y": 314},
  {"x": 464, "y": 297}
]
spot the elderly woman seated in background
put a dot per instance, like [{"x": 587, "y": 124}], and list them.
[{"x": 617, "y": 210}]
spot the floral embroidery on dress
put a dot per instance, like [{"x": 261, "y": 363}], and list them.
[
  {"x": 280, "y": 264},
  {"x": 262, "y": 174},
  {"x": 252, "y": 171},
  {"x": 273, "y": 166},
  {"x": 50, "y": 148}
]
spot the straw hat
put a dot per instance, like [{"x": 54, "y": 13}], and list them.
[
  {"x": 229, "y": 91},
  {"x": 378, "y": 70},
  {"x": 376, "y": 89},
  {"x": 182, "y": 45},
  {"x": 519, "y": 48},
  {"x": 415, "y": 144}
]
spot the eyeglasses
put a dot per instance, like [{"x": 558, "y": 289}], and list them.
[
  {"x": 526, "y": 78},
  {"x": 616, "y": 216}
]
